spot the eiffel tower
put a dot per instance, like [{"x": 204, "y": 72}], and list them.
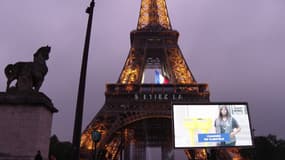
[{"x": 137, "y": 115}]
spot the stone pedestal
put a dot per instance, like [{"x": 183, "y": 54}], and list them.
[{"x": 25, "y": 125}]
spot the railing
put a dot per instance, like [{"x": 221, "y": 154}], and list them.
[{"x": 112, "y": 89}]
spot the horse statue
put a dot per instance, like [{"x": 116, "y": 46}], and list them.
[{"x": 29, "y": 75}]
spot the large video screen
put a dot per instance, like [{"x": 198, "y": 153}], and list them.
[{"x": 211, "y": 125}]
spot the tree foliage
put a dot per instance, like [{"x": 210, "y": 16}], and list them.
[
  {"x": 265, "y": 148},
  {"x": 61, "y": 150}
]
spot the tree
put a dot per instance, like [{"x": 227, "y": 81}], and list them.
[
  {"x": 61, "y": 150},
  {"x": 265, "y": 148}
]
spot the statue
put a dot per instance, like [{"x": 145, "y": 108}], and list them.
[{"x": 29, "y": 75}]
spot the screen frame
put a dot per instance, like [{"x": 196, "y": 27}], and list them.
[{"x": 212, "y": 103}]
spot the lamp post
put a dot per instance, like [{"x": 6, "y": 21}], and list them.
[
  {"x": 81, "y": 89},
  {"x": 96, "y": 136}
]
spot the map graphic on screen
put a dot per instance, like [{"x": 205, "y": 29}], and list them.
[{"x": 211, "y": 125}]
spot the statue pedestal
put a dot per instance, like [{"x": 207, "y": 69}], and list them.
[{"x": 25, "y": 125}]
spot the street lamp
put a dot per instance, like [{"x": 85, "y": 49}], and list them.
[{"x": 96, "y": 136}]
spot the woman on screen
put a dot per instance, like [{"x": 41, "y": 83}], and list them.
[{"x": 226, "y": 124}]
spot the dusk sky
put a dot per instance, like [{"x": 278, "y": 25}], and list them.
[{"x": 236, "y": 46}]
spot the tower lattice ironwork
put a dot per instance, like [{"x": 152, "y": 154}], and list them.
[{"x": 137, "y": 115}]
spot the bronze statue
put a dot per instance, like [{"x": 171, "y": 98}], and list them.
[{"x": 29, "y": 75}]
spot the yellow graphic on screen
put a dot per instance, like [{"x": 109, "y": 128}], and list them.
[{"x": 197, "y": 125}]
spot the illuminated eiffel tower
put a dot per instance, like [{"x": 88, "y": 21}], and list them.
[{"x": 137, "y": 115}]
